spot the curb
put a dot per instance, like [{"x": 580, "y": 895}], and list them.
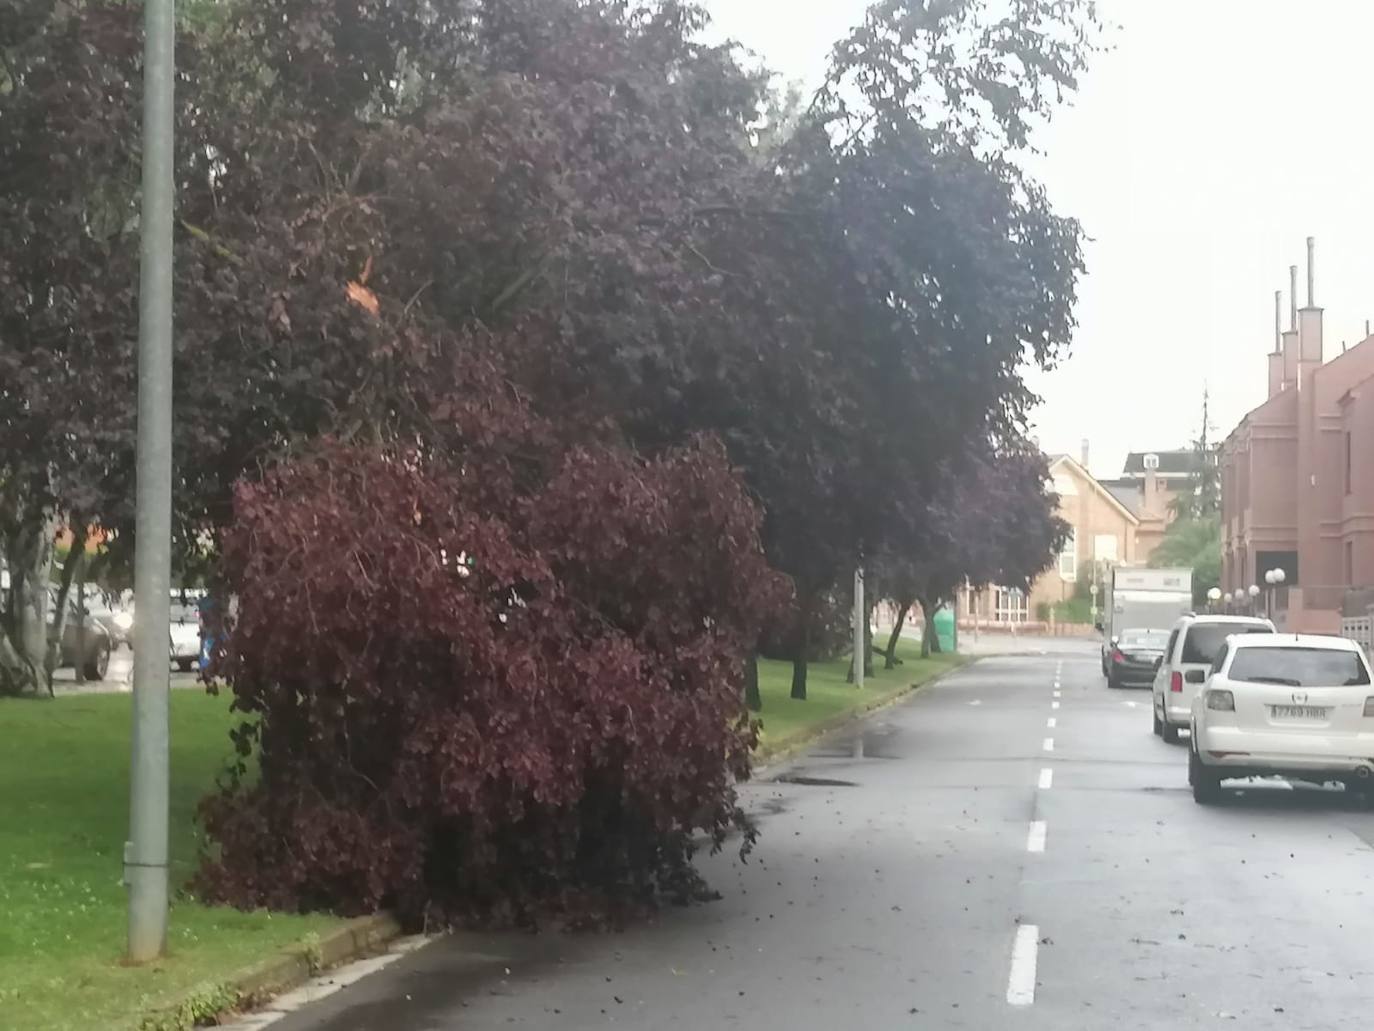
[
  {"x": 249, "y": 987},
  {"x": 791, "y": 746}
]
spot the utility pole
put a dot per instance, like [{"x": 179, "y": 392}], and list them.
[
  {"x": 145, "y": 854},
  {"x": 860, "y": 618}
]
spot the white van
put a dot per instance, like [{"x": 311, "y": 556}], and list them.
[{"x": 1193, "y": 646}]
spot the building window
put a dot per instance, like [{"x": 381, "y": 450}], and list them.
[
  {"x": 1349, "y": 484},
  {"x": 1011, "y": 605},
  {"x": 1350, "y": 563},
  {"x": 1068, "y": 559}
]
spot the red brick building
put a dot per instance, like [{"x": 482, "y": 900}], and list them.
[{"x": 1298, "y": 479}]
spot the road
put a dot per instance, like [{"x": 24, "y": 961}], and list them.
[{"x": 978, "y": 858}]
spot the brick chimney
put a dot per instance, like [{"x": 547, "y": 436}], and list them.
[
  {"x": 1290, "y": 335},
  {"x": 1085, "y": 454},
  {"x": 1310, "y": 347},
  {"x": 1150, "y": 499},
  {"x": 1276, "y": 355}
]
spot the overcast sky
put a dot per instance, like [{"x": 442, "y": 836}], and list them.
[{"x": 1199, "y": 155}]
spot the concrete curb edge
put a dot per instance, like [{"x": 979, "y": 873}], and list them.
[
  {"x": 794, "y": 744},
  {"x": 292, "y": 966}
]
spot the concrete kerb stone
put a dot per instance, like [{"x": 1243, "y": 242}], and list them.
[
  {"x": 252, "y": 986},
  {"x": 790, "y": 747}
]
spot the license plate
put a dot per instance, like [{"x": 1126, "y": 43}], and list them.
[{"x": 1299, "y": 712}]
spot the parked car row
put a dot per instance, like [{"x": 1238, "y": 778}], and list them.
[
  {"x": 109, "y": 624},
  {"x": 1258, "y": 703}
]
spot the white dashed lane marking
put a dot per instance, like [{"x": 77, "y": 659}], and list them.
[{"x": 1021, "y": 982}]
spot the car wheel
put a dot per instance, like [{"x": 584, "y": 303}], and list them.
[
  {"x": 98, "y": 664},
  {"x": 1168, "y": 732},
  {"x": 1206, "y": 784},
  {"x": 1154, "y": 714},
  {"x": 185, "y": 665}
]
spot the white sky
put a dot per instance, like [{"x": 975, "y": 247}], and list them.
[{"x": 1200, "y": 153}]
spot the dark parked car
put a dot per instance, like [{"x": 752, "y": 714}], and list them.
[{"x": 1134, "y": 657}]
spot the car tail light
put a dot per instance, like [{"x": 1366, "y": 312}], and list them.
[
  {"x": 1369, "y": 706},
  {"x": 1221, "y": 700},
  {"x": 1117, "y": 656},
  {"x": 1176, "y": 682}
]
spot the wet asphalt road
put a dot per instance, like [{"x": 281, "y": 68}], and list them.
[{"x": 896, "y": 866}]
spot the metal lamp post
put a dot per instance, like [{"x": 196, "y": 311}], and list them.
[
  {"x": 145, "y": 854},
  {"x": 1274, "y": 578},
  {"x": 1214, "y": 596},
  {"x": 1254, "y": 602}
]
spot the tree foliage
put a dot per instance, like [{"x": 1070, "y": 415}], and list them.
[
  {"x": 528, "y": 264},
  {"x": 991, "y": 521},
  {"x": 1193, "y": 544},
  {"x": 481, "y": 694}
]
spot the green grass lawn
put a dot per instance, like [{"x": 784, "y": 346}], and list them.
[
  {"x": 829, "y": 696},
  {"x": 64, "y": 802}
]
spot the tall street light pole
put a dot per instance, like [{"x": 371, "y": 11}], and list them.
[
  {"x": 860, "y": 624},
  {"x": 145, "y": 854}
]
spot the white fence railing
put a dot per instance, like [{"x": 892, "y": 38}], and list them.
[{"x": 1360, "y": 629}]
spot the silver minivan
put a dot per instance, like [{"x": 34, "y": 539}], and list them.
[{"x": 1193, "y": 645}]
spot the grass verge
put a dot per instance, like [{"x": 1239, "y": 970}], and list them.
[
  {"x": 64, "y": 776},
  {"x": 829, "y": 698}
]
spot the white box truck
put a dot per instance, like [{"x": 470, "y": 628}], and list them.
[{"x": 1143, "y": 599}]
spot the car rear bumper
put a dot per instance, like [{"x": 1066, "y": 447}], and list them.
[
  {"x": 1251, "y": 752},
  {"x": 1124, "y": 674},
  {"x": 184, "y": 650},
  {"x": 1177, "y": 713}
]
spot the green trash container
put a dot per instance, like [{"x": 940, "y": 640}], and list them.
[{"x": 945, "y": 629}]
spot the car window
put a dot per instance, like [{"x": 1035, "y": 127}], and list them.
[
  {"x": 1221, "y": 659},
  {"x": 1151, "y": 639},
  {"x": 1299, "y": 667},
  {"x": 1203, "y": 640}
]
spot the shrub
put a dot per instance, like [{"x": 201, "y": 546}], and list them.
[
  {"x": 831, "y": 629},
  {"x": 470, "y": 695}
]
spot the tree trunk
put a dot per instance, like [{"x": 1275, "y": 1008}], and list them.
[
  {"x": 73, "y": 571},
  {"x": 752, "y": 698},
  {"x": 890, "y": 656},
  {"x": 803, "y": 644},
  {"x": 930, "y": 640},
  {"x": 868, "y": 643},
  {"x": 24, "y": 635}
]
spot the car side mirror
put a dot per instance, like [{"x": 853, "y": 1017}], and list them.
[{"x": 1195, "y": 676}]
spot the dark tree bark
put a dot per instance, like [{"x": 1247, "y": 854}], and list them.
[
  {"x": 890, "y": 655},
  {"x": 752, "y": 698},
  {"x": 803, "y": 644},
  {"x": 73, "y": 574},
  {"x": 868, "y": 643},
  {"x": 930, "y": 640}
]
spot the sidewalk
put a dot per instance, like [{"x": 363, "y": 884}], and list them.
[
  {"x": 987, "y": 643},
  {"x": 998, "y": 643},
  {"x": 118, "y": 678}
]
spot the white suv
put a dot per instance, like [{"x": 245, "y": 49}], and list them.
[
  {"x": 1192, "y": 647},
  {"x": 1297, "y": 706}
]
